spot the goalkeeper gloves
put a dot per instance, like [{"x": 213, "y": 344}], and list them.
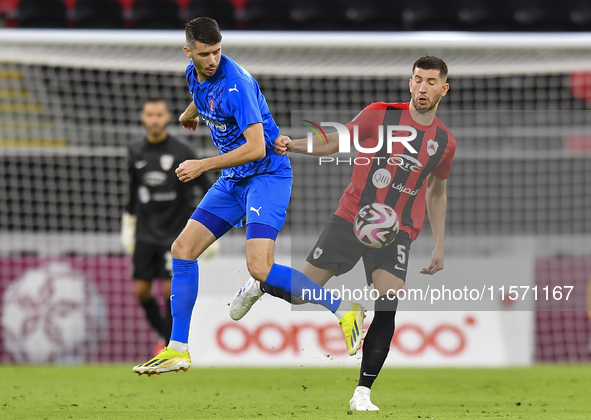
[{"x": 128, "y": 222}]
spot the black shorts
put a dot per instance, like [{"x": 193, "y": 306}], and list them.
[
  {"x": 151, "y": 262},
  {"x": 339, "y": 250}
]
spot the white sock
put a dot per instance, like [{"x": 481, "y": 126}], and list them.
[
  {"x": 178, "y": 346},
  {"x": 343, "y": 308}
]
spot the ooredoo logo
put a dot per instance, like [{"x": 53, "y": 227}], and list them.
[
  {"x": 446, "y": 339},
  {"x": 412, "y": 340}
]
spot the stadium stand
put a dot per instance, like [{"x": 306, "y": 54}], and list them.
[
  {"x": 348, "y": 15},
  {"x": 485, "y": 15},
  {"x": 375, "y": 15},
  {"x": 221, "y": 10},
  {"x": 155, "y": 14},
  {"x": 311, "y": 15},
  {"x": 267, "y": 15},
  {"x": 99, "y": 14},
  {"x": 42, "y": 14},
  {"x": 541, "y": 15}
]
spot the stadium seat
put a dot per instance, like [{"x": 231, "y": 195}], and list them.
[
  {"x": 580, "y": 15},
  {"x": 431, "y": 15},
  {"x": 100, "y": 14},
  {"x": 541, "y": 15},
  {"x": 267, "y": 15},
  {"x": 485, "y": 15},
  {"x": 155, "y": 14},
  {"x": 375, "y": 15},
  {"x": 220, "y": 10},
  {"x": 42, "y": 14},
  {"x": 311, "y": 15}
]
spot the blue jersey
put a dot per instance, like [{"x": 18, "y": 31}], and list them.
[{"x": 228, "y": 102}]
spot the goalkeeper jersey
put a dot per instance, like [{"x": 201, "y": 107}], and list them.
[
  {"x": 228, "y": 102},
  {"x": 161, "y": 202},
  {"x": 397, "y": 178}
]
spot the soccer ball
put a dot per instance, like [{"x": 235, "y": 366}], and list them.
[{"x": 376, "y": 225}]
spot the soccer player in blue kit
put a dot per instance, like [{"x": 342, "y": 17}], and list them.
[{"x": 255, "y": 182}]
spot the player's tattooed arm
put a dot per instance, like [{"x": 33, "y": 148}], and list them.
[
  {"x": 190, "y": 118},
  {"x": 319, "y": 146},
  {"x": 436, "y": 207}
]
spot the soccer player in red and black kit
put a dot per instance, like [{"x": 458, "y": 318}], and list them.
[
  {"x": 159, "y": 206},
  {"x": 405, "y": 180}
]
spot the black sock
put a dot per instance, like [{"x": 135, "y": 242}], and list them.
[
  {"x": 167, "y": 321},
  {"x": 377, "y": 341},
  {"x": 152, "y": 311},
  {"x": 278, "y": 292}
]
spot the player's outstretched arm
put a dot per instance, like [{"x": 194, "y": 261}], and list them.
[
  {"x": 319, "y": 147},
  {"x": 436, "y": 208},
  {"x": 190, "y": 118},
  {"x": 252, "y": 150}
]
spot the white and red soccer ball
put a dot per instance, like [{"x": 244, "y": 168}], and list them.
[{"x": 376, "y": 225}]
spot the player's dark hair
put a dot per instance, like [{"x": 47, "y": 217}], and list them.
[
  {"x": 156, "y": 99},
  {"x": 202, "y": 29},
  {"x": 430, "y": 62}
]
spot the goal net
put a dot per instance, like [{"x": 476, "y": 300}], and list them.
[{"x": 520, "y": 187}]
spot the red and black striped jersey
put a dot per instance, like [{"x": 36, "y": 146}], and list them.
[{"x": 396, "y": 178}]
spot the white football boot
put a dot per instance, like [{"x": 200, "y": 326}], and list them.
[
  {"x": 361, "y": 401},
  {"x": 245, "y": 298}
]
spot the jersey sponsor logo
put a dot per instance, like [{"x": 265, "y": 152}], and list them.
[
  {"x": 166, "y": 162},
  {"x": 317, "y": 253},
  {"x": 405, "y": 162},
  {"x": 256, "y": 210},
  {"x": 164, "y": 196},
  {"x": 154, "y": 178},
  {"x": 143, "y": 194},
  {"x": 214, "y": 124},
  {"x": 397, "y": 267},
  {"x": 381, "y": 178},
  {"x": 234, "y": 89},
  {"x": 140, "y": 164},
  {"x": 400, "y": 187},
  {"x": 211, "y": 105},
  {"x": 432, "y": 147}
]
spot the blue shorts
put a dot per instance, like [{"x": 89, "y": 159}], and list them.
[{"x": 261, "y": 198}]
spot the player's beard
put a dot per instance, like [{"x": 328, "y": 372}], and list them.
[
  {"x": 156, "y": 132},
  {"x": 432, "y": 104}
]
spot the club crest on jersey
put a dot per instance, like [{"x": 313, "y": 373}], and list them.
[
  {"x": 166, "y": 162},
  {"x": 432, "y": 147},
  {"x": 317, "y": 253},
  {"x": 211, "y": 105}
]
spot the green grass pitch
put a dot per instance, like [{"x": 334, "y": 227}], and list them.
[{"x": 114, "y": 392}]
